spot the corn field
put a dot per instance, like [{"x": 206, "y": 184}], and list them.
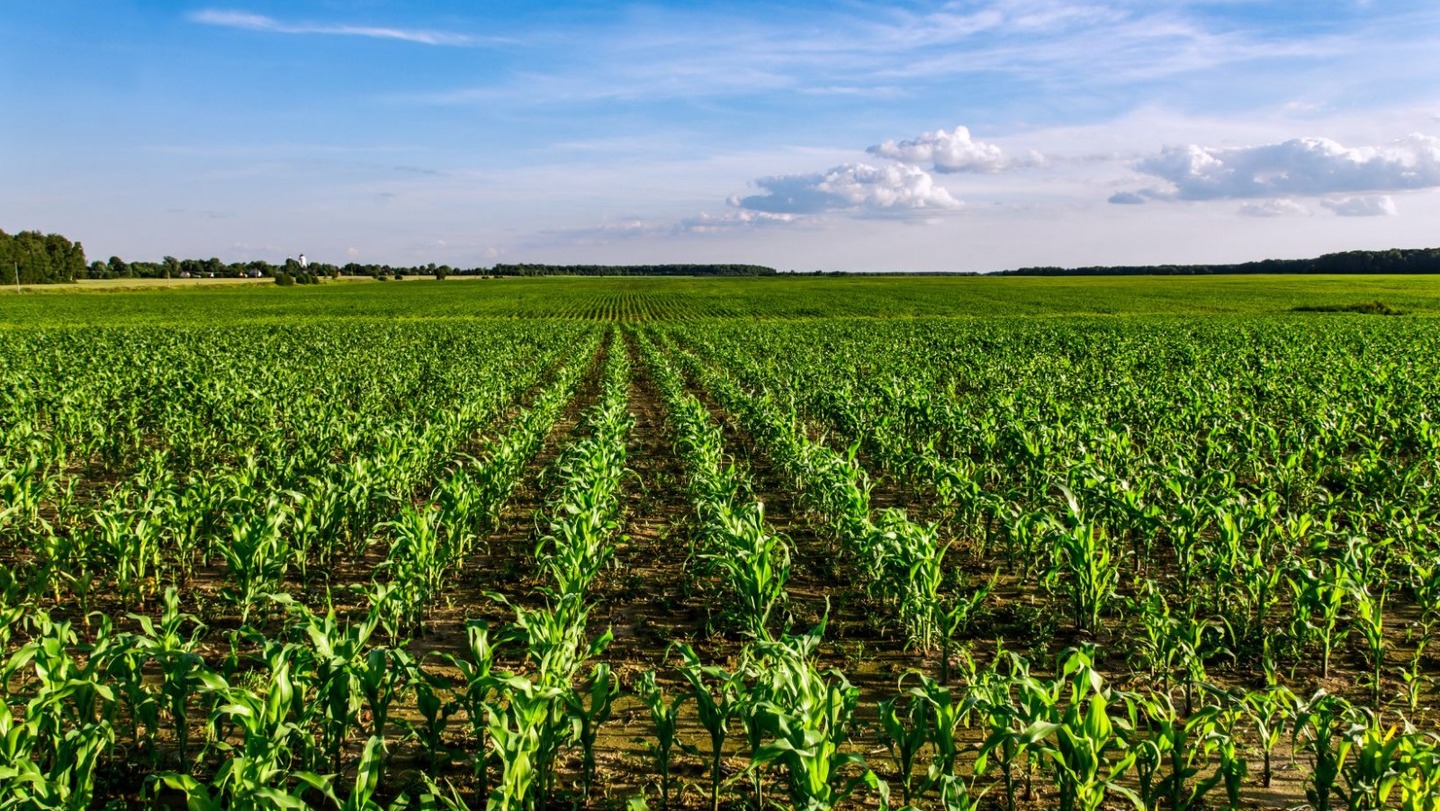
[{"x": 810, "y": 562}]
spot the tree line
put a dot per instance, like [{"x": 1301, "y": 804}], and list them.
[
  {"x": 38, "y": 258},
  {"x": 1394, "y": 260},
  {"x": 31, "y": 257}
]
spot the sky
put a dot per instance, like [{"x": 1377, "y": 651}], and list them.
[{"x": 856, "y": 136}]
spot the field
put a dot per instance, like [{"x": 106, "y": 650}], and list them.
[{"x": 946, "y": 543}]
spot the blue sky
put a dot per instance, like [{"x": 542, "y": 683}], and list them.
[{"x": 851, "y": 135}]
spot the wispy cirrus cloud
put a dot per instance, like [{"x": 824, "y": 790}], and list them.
[{"x": 258, "y": 22}]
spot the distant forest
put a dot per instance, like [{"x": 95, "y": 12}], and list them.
[
  {"x": 51, "y": 258},
  {"x": 1395, "y": 260}
]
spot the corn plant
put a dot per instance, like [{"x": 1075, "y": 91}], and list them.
[
  {"x": 944, "y": 715},
  {"x": 257, "y": 556},
  {"x": 807, "y": 719},
  {"x": 1232, "y": 766},
  {"x": 1269, "y": 711},
  {"x": 755, "y": 563},
  {"x": 1083, "y": 566},
  {"x": 435, "y": 711},
  {"x": 716, "y": 694},
  {"x": 168, "y": 644},
  {"x": 418, "y": 564},
  {"x": 1175, "y": 749},
  {"x": 904, "y": 726},
  {"x": 586, "y": 709},
  {"x": 1319, "y": 728},
  {"x": 1319, "y": 601},
  {"x": 54, "y": 749},
  {"x": 259, "y": 771},
  {"x": 1084, "y": 737},
  {"x": 479, "y": 681},
  {"x": 1368, "y": 621},
  {"x": 1419, "y": 779},
  {"x": 1373, "y": 772},
  {"x": 665, "y": 715},
  {"x": 383, "y": 676},
  {"x": 1015, "y": 727}
]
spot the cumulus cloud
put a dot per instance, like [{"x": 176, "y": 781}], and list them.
[
  {"x": 1280, "y": 207},
  {"x": 258, "y": 22},
  {"x": 1301, "y": 167},
  {"x": 953, "y": 151},
  {"x": 1377, "y": 206},
  {"x": 853, "y": 186}
]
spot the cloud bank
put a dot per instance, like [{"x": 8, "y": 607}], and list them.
[{"x": 1305, "y": 167}]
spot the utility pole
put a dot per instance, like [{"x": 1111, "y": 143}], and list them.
[{"x": 17, "y": 276}]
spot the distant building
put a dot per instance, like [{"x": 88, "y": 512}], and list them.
[{"x": 304, "y": 263}]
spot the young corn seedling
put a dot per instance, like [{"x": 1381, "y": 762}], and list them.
[
  {"x": 1232, "y": 766},
  {"x": 257, "y": 556},
  {"x": 716, "y": 694},
  {"x": 383, "y": 676},
  {"x": 1180, "y": 746},
  {"x": 1368, "y": 607},
  {"x": 479, "y": 682},
  {"x": 522, "y": 731},
  {"x": 174, "y": 650},
  {"x": 418, "y": 563},
  {"x": 904, "y": 726},
  {"x": 1319, "y": 601},
  {"x": 1320, "y": 728},
  {"x": 808, "y": 720},
  {"x": 338, "y": 652},
  {"x": 665, "y": 715},
  {"x": 1374, "y": 771},
  {"x": 586, "y": 710},
  {"x": 258, "y": 772},
  {"x": 435, "y": 712},
  {"x": 755, "y": 562},
  {"x": 1084, "y": 736},
  {"x": 1419, "y": 779},
  {"x": 944, "y": 715},
  {"x": 1083, "y": 566},
  {"x": 1269, "y": 710}
]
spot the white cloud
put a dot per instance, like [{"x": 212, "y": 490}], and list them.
[
  {"x": 705, "y": 223},
  {"x": 1300, "y": 166},
  {"x": 1279, "y": 207},
  {"x": 259, "y": 22},
  {"x": 953, "y": 151},
  {"x": 852, "y": 186},
  {"x": 1127, "y": 198},
  {"x": 1377, "y": 206}
]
